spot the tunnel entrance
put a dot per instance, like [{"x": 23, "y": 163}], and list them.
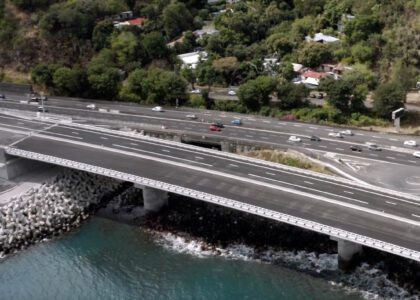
[{"x": 209, "y": 145}]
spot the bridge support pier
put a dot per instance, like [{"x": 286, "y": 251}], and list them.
[
  {"x": 348, "y": 254},
  {"x": 154, "y": 199},
  {"x": 226, "y": 146}
]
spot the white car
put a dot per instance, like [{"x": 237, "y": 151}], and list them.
[
  {"x": 191, "y": 116},
  {"x": 410, "y": 143},
  {"x": 416, "y": 154},
  {"x": 91, "y": 106},
  {"x": 232, "y": 93},
  {"x": 158, "y": 108},
  {"x": 335, "y": 134},
  {"x": 294, "y": 139},
  {"x": 347, "y": 132},
  {"x": 196, "y": 91}
]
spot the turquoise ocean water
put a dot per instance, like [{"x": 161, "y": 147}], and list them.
[{"x": 108, "y": 260}]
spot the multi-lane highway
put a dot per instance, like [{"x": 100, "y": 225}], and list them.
[
  {"x": 258, "y": 129},
  {"x": 370, "y": 212}
]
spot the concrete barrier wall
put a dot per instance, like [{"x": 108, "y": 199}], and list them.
[
  {"x": 19, "y": 166},
  {"x": 14, "y": 87}
]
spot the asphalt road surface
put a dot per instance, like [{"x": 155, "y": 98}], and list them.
[{"x": 357, "y": 209}]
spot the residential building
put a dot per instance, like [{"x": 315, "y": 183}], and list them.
[
  {"x": 322, "y": 38},
  {"x": 133, "y": 22},
  {"x": 192, "y": 59},
  {"x": 200, "y": 33},
  {"x": 312, "y": 79}
]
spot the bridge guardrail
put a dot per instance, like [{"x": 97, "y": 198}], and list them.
[
  {"x": 249, "y": 208},
  {"x": 250, "y": 159}
]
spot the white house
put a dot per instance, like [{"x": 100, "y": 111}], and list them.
[
  {"x": 192, "y": 59},
  {"x": 322, "y": 38},
  {"x": 200, "y": 33},
  {"x": 312, "y": 79}
]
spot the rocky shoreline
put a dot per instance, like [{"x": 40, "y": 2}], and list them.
[
  {"x": 55, "y": 207},
  {"x": 203, "y": 229}
]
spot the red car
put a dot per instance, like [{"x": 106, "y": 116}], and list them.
[{"x": 214, "y": 128}]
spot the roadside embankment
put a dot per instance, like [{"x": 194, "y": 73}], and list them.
[{"x": 52, "y": 208}]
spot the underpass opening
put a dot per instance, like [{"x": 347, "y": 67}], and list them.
[{"x": 208, "y": 145}]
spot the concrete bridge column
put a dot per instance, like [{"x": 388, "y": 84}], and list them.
[
  {"x": 348, "y": 253},
  {"x": 154, "y": 199},
  {"x": 226, "y": 146}
]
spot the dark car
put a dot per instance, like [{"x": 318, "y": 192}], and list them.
[
  {"x": 315, "y": 138},
  {"x": 2, "y": 96},
  {"x": 218, "y": 124},
  {"x": 356, "y": 148},
  {"x": 320, "y": 96}
]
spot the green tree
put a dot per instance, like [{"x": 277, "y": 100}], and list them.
[
  {"x": 313, "y": 54},
  {"x": 69, "y": 82},
  {"x": 291, "y": 95},
  {"x": 42, "y": 74},
  {"x": 363, "y": 53},
  {"x": 101, "y": 35},
  {"x": 227, "y": 67},
  {"x": 104, "y": 81},
  {"x": 155, "y": 46},
  {"x": 387, "y": 98},
  {"x": 206, "y": 74},
  {"x": 255, "y": 93},
  {"x": 176, "y": 19},
  {"x": 127, "y": 48},
  {"x": 189, "y": 75}
]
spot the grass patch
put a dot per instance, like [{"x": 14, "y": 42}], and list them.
[{"x": 292, "y": 159}]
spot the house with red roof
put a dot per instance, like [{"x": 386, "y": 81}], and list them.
[
  {"x": 133, "y": 22},
  {"x": 312, "y": 78}
]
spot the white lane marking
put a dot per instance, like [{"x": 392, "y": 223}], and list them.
[
  {"x": 360, "y": 134},
  {"x": 233, "y": 165},
  {"x": 413, "y": 161},
  {"x": 392, "y": 203},
  {"x": 61, "y": 134},
  {"x": 373, "y": 154},
  {"x": 313, "y": 127},
  {"x": 74, "y": 132},
  {"x": 296, "y": 125},
  {"x": 21, "y": 123},
  {"x": 395, "y": 140},
  {"x": 188, "y": 128},
  {"x": 250, "y": 136},
  {"x": 266, "y": 121},
  {"x": 340, "y": 149},
  {"x": 165, "y": 150},
  {"x": 417, "y": 216},
  {"x": 134, "y": 144},
  {"x": 265, "y": 138},
  {"x": 198, "y": 157},
  {"x": 269, "y": 173},
  {"x": 308, "y": 182},
  {"x": 160, "y": 154},
  {"x": 329, "y": 129},
  {"x": 376, "y": 137},
  {"x": 311, "y": 189},
  {"x": 322, "y": 146},
  {"x": 104, "y": 138},
  {"x": 347, "y": 192},
  {"x": 390, "y": 157}
]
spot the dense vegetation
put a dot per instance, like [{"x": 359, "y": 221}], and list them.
[{"x": 72, "y": 48}]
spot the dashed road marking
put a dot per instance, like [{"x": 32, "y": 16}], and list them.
[
  {"x": 233, "y": 165},
  {"x": 313, "y": 127},
  {"x": 165, "y": 150},
  {"x": 74, "y": 132},
  {"x": 340, "y": 149},
  {"x": 347, "y": 192},
  {"x": 417, "y": 216},
  {"x": 265, "y": 138},
  {"x": 269, "y": 173},
  {"x": 198, "y": 157},
  {"x": 322, "y": 146},
  {"x": 308, "y": 182},
  {"x": 390, "y": 157},
  {"x": 372, "y": 154},
  {"x": 395, "y": 140},
  {"x": 250, "y": 136},
  {"x": 104, "y": 138},
  {"x": 296, "y": 125},
  {"x": 412, "y": 161},
  {"x": 392, "y": 203},
  {"x": 134, "y": 144}
]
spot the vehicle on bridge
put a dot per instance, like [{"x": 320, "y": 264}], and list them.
[
  {"x": 191, "y": 116},
  {"x": 294, "y": 139},
  {"x": 91, "y": 106},
  {"x": 196, "y": 91},
  {"x": 218, "y": 124},
  {"x": 232, "y": 93},
  {"x": 347, "y": 132},
  {"x": 214, "y": 128},
  {"x": 158, "y": 109},
  {"x": 237, "y": 122},
  {"x": 410, "y": 143},
  {"x": 373, "y": 147},
  {"x": 2, "y": 96},
  {"x": 315, "y": 138},
  {"x": 356, "y": 148},
  {"x": 416, "y": 154},
  {"x": 336, "y": 134}
]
